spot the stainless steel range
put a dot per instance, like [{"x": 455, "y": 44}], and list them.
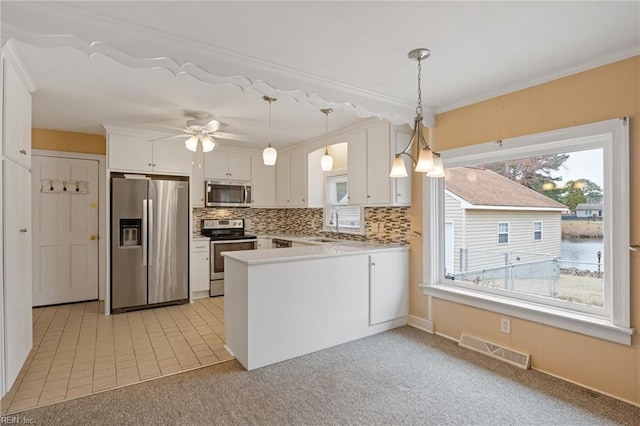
[{"x": 225, "y": 235}]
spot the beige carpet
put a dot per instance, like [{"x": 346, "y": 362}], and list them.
[{"x": 403, "y": 376}]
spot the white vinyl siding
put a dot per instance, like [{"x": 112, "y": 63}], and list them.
[
  {"x": 455, "y": 214},
  {"x": 481, "y": 237}
]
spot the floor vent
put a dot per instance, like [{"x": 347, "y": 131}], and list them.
[{"x": 516, "y": 358}]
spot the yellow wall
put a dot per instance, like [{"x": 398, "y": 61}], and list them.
[
  {"x": 56, "y": 140},
  {"x": 598, "y": 94}
]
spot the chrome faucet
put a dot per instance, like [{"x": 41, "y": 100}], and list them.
[{"x": 334, "y": 213}]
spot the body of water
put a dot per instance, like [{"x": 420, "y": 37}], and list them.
[{"x": 582, "y": 250}]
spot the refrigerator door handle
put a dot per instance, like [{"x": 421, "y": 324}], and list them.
[
  {"x": 144, "y": 232},
  {"x": 150, "y": 249}
]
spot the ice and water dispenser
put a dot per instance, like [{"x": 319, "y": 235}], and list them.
[{"x": 130, "y": 233}]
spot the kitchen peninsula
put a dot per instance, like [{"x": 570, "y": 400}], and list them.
[{"x": 283, "y": 303}]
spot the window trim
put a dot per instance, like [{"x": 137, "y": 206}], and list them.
[
  {"x": 541, "y": 231},
  {"x": 325, "y": 211},
  {"x": 610, "y": 135},
  {"x": 503, "y": 233}
]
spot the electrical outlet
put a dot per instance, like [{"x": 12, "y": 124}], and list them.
[{"x": 505, "y": 325}]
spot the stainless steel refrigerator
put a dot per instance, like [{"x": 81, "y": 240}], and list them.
[{"x": 149, "y": 241}]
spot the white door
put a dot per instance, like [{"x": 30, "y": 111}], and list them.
[
  {"x": 449, "y": 252},
  {"x": 65, "y": 230}
]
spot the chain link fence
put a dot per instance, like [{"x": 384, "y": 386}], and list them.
[{"x": 536, "y": 274}]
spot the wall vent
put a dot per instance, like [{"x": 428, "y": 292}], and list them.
[{"x": 516, "y": 358}]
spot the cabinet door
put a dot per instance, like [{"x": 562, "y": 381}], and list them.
[
  {"x": 200, "y": 271},
  {"x": 197, "y": 180},
  {"x": 283, "y": 179},
  {"x": 17, "y": 267},
  {"x": 357, "y": 168},
  {"x": 239, "y": 166},
  {"x": 129, "y": 153},
  {"x": 171, "y": 156},
  {"x": 299, "y": 177},
  {"x": 378, "y": 165},
  {"x": 216, "y": 165},
  {"x": 263, "y": 183},
  {"x": 402, "y": 186},
  {"x": 388, "y": 286},
  {"x": 17, "y": 116},
  {"x": 264, "y": 243}
]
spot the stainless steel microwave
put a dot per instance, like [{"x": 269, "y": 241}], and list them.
[{"x": 227, "y": 194}]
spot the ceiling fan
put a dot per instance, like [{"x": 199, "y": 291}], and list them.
[{"x": 200, "y": 130}]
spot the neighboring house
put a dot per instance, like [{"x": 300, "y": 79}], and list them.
[
  {"x": 491, "y": 220},
  {"x": 589, "y": 211}
]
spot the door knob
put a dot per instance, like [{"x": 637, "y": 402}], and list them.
[{"x": 93, "y": 237}]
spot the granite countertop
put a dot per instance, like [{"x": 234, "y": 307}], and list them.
[{"x": 318, "y": 250}]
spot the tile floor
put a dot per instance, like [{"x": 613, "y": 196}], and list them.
[{"x": 77, "y": 350}]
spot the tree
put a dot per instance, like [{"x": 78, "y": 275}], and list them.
[
  {"x": 574, "y": 194},
  {"x": 592, "y": 191},
  {"x": 534, "y": 172}
]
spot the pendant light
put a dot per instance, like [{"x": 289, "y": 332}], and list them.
[
  {"x": 428, "y": 161},
  {"x": 269, "y": 155},
  {"x": 326, "y": 161}
]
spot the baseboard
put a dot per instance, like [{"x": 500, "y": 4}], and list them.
[{"x": 420, "y": 324}]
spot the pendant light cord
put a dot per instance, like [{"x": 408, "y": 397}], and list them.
[{"x": 269, "y": 122}]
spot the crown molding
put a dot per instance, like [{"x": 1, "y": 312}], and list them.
[
  {"x": 584, "y": 66},
  {"x": 174, "y": 66}
]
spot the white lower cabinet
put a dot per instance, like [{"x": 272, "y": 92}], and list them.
[
  {"x": 264, "y": 243},
  {"x": 200, "y": 268},
  {"x": 388, "y": 286}
]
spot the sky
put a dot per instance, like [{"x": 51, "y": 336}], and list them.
[{"x": 583, "y": 164}]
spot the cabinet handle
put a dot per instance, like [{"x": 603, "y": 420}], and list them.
[
  {"x": 23, "y": 151},
  {"x": 303, "y": 200},
  {"x": 23, "y": 230},
  {"x": 149, "y": 164},
  {"x": 368, "y": 196},
  {"x": 154, "y": 164},
  {"x": 399, "y": 195},
  {"x": 373, "y": 263}
]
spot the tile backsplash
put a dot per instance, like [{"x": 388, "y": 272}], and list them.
[{"x": 392, "y": 224}]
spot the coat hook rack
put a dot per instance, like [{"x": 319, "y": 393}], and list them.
[{"x": 64, "y": 186}]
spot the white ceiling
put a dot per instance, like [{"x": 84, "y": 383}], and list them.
[{"x": 98, "y": 63}]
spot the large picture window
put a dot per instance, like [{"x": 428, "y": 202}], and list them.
[{"x": 577, "y": 277}]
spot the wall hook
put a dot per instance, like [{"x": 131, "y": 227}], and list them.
[{"x": 64, "y": 185}]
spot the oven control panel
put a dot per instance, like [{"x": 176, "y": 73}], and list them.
[{"x": 223, "y": 224}]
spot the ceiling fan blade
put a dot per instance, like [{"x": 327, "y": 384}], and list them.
[
  {"x": 168, "y": 137},
  {"x": 178, "y": 129},
  {"x": 231, "y": 136},
  {"x": 214, "y": 125}
]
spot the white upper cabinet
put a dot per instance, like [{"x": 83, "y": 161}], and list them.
[
  {"x": 263, "y": 183},
  {"x": 283, "y": 179},
  {"x": 17, "y": 118},
  {"x": 370, "y": 154},
  {"x": 292, "y": 179},
  {"x": 299, "y": 158},
  {"x": 136, "y": 153},
  {"x": 223, "y": 165}
]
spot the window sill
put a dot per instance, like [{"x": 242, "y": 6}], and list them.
[{"x": 572, "y": 321}]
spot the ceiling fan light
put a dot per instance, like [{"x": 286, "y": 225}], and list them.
[
  {"x": 269, "y": 156},
  {"x": 438, "y": 167},
  {"x": 191, "y": 144},
  {"x": 326, "y": 162},
  {"x": 398, "y": 169},
  {"x": 425, "y": 161},
  {"x": 207, "y": 144}
]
